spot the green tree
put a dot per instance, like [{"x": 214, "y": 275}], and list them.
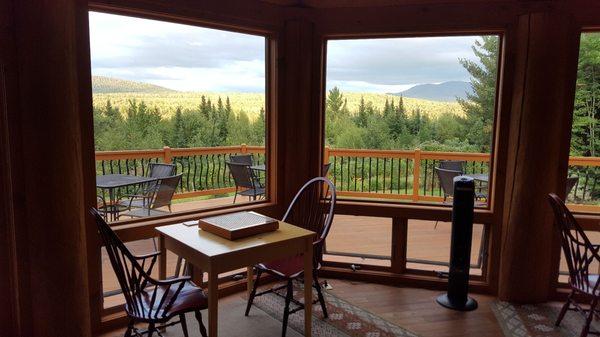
[
  {"x": 479, "y": 105},
  {"x": 587, "y": 98}
]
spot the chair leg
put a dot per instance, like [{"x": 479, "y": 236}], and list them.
[
  {"x": 184, "y": 325},
  {"x": 588, "y": 321},
  {"x": 320, "y": 295},
  {"x": 151, "y": 329},
  {"x": 202, "y": 327},
  {"x": 286, "y": 311},
  {"x": 564, "y": 309},
  {"x": 253, "y": 292},
  {"x": 129, "y": 328}
]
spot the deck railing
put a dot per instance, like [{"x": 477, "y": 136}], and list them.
[
  {"x": 357, "y": 173},
  {"x": 203, "y": 168}
]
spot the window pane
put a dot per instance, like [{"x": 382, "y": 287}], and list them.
[
  {"x": 583, "y": 186},
  {"x": 400, "y": 109},
  {"x": 186, "y": 96},
  {"x": 428, "y": 246},
  {"x": 360, "y": 240}
]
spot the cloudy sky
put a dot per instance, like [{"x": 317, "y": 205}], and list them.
[{"x": 188, "y": 58}]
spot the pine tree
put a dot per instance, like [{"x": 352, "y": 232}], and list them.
[
  {"x": 335, "y": 101},
  {"x": 479, "y": 105},
  {"x": 178, "y": 136},
  {"x": 362, "y": 116}
]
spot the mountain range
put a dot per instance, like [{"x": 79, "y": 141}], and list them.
[
  {"x": 445, "y": 91},
  {"x": 102, "y": 84}
]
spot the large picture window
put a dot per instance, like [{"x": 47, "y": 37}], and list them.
[
  {"x": 583, "y": 182},
  {"x": 173, "y": 100},
  {"x": 403, "y": 117},
  {"x": 179, "y": 123},
  {"x": 406, "y": 115}
]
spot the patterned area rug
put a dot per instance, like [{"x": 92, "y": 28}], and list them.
[
  {"x": 345, "y": 319},
  {"x": 537, "y": 321}
]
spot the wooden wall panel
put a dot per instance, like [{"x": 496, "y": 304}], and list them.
[{"x": 52, "y": 235}]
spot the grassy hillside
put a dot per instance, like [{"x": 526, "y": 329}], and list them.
[
  {"x": 167, "y": 102},
  {"x": 251, "y": 103},
  {"x": 102, "y": 84},
  {"x": 431, "y": 108}
]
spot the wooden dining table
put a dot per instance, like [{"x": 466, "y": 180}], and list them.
[{"x": 213, "y": 254}]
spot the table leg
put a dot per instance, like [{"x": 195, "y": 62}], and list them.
[
  {"x": 250, "y": 279},
  {"x": 213, "y": 299},
  {"x": 308, "y": 281},
  {"x": 162, "y": 262}
]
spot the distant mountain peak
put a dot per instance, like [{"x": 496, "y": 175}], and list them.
[
  {"x": 445, "y": 91},
  {"x": 103, "y": 84}
]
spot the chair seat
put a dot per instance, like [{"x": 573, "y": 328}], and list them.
[
  {"x": 288, "y": 268},
  {"x": 190, "y": 298},
  {"x": 252, "y": 192},
  {"x": 143, "y": 212},
  {"x": 137, "y": 203}
]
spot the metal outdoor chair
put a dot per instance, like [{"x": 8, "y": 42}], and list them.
[
  {"x": 246, "y": 182},
  {"x": 580, "y": 254},
  {"x": 245, "y": 159},
  {"x": 326, "y": 168},
  {"x": 446, "y": 178},
  {"x": 149, "y": 300},
  {"x": 454, "y": 165},
  {"x": 312, "y": 208},
  {"x": 571, "y": 182},
  {"x": 160, "y": 196},
  {"x": 144, "y": 193}
]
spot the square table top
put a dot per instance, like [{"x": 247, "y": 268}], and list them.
[
  {"x": 212, "y": 245},
  {"x": 120, "y": 180},
  {"x": 484, "y": 177}
]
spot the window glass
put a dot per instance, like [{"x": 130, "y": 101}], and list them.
[
  {"x": 174, "y": 105},
  {"x": 406, "y": 115}
]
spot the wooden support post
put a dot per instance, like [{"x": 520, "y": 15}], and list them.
[
  {"x": 54, "y": 129},
  {"x": 399, "y": 244},
  {"x": 416, "y": 174},
  {"x": 167, "y": 155},
  {"x": 539, "y": 136}
]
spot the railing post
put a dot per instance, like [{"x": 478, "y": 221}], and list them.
[
  {"x": 416, "y": 174},
  {"x": 167, "y": 156},
  {"x": 244, "y": 148}
]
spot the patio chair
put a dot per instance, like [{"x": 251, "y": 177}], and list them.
[
  {"x": 144, "y": 193},
  {"x": 326, "y": 168},
  {"x": 571, "y": 182},
  {"x": 454, "y": 165},
  {"x": 580, "y": 254},
  {"x": 245, "y": 159},
  {"x": 149, "y": 300},
  {"x": 161, "y": 196},
  {"x": 246, "y": 182},
  {"x": 312, "y": 208},
  {"x": 446, "y": 178}
]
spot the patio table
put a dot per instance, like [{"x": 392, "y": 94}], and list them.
[
  {"x": 260, "y": 167},
  {"x": 482, "y": 177},
  {"x": 111, "y": 182}
]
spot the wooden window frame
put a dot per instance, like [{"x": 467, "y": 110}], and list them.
[
  {"x": 138, "y": 229},
  {"x": 400, "y": 212}
]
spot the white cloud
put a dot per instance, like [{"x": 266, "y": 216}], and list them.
[{"x": 189, "y": 58}]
